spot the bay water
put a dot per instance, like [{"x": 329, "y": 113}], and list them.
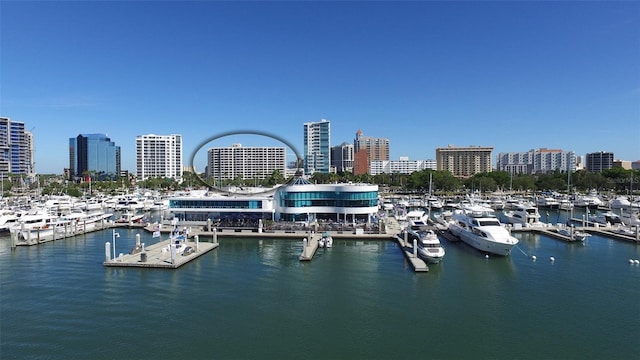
[{"x": 253, "y": 298}]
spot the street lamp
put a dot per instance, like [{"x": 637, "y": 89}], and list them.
[{"x": 114, "y": 236}]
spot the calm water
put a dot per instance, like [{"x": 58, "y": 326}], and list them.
[{"x": 253, "y": 298}]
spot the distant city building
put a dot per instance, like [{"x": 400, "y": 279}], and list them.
[
  {"x": 317, "y": 147},
  {"x": 367, "y": 149},
  {"x": 625, "y": 164},
  {"x": 464, "y": 161},
  {"x": 635, "y": 165},
  {"x": 93, "y": 155},
  {"x": 342, "y": 157},
  {"x": 159, "y": 156},
  {"x": 536, "y": 161},
  {"x": 16, "y": 148},
  {"x": 402, "y": 166},
  {"x": 599, "y": 161},
  {"x": 228, "y": 163}
]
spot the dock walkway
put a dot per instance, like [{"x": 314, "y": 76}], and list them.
[{"x": 159, "y": 255}]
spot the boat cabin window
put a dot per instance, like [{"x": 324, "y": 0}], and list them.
[{"x": 489, "y": 223}]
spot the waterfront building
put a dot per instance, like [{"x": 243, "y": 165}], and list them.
[
  {"x": 342, "y": 157},
  {"x": 599, "y": 161},
  {"x": 93, "y": 154},
  {"x": 464, "y": 161},
  {"x": 16, "y": 149},
  {"x": 317, "y": 147},
  {"x": 368, "y": 149},
  {"x": 159, "y": 156},
  {"x": 299, "y": 201},
  {"x": 402, "y": 166},
  {"x": 536, "y": 161},
  {"x": 635, "y": 165},
  {"x": 236, "y": 161}
]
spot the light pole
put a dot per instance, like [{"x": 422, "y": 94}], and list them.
[{"x": 114, "y": 236}]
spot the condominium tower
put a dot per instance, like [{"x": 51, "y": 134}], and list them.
[
  {"x": 317, "y": 147},
  {"x": 598, "y": 161},
  {"x": 159, "y": 156},
  {"x": 464, "y": 161},
  {"x": 367, "y": 149},
  {"x": 16, "y": 148},
  {"x": 342, "y": 157},
  {"x": 537, "y": 161},
  {"x": 228, "y": 163}
]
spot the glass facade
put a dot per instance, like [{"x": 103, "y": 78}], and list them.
[
  {"x": 95, "y": 154},
  {"x": 332, "y": 199},
  {"x": 215, "y": 204}
]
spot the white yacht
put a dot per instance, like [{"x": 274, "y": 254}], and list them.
[
  {"x": 429, "y": 246},
  {"x": 591, "y": 201},
  {"x": 606, "y": 218},
  {"x": 630, "y": 218},
  {"x": 8, "y": 218},
  {"x": 442, "y": 219},
  {"x": 547, "y": 202},
  {"x": 573, "y": 234},
  {"x": 524, "y": 214},
  {"x": 479, "y": 227}
]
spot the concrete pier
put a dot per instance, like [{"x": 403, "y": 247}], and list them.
[{"x": 160, "y": 255}]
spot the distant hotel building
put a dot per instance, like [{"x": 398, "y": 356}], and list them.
[
  {"x": 367, "y": 149},
  {"x": 159, "y": 156},
  {"x": 464, "y": 161},
  {"x": 95, "y": 155},
  {"x": 16, "y": 149},
  {"x": 228, "y": 163},
  {"x": 538, "y": 161},
  {"x": 402, "y": 166},
  {"x": 599, "y": 161},
  {"x": 317, "y": 147},
  {"x": 342, "y": 157}
]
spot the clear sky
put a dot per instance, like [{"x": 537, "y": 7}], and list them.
[{"x": 512, "y": 75}]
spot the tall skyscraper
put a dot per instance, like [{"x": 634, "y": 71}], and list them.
[
  {"x": 342, "y": 157},
  {"x": 94, "y": 155},
  {"x": 464, "y": 161},
  {"x": 596, "y": 162},
  {"x": 159, "y": 156},
  {"x": 317, "y": 147},
  {"x": 228, "y": 163},
  {"x": 16, "y": 148},
  {"x": 367, "y": 149}
]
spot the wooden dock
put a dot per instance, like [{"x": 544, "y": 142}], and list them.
[{"x": 159, "y": 255}]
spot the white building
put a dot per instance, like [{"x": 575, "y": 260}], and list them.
[
  {"x": 537, "y": 161},
  {"x": 159, "y": 156},
  {"x": 402, "y": 166},
  {"x": 228, "y": 163}
]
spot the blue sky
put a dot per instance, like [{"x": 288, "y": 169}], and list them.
[{"x": 512, "y": 75}]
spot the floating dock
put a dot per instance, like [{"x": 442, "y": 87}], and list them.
[
  {"x": 160, "y": 255},
  {"x": 411, "y": 254},
  {"x": 309, "y": 248}
]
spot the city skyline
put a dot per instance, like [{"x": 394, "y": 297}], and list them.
[{"x": 512, "y": 76}]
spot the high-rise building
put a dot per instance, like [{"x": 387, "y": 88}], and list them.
[
  {"x": 159, "y": 156},
  {"x": 367, "y": 149},
  {"x": 464, "y": 161},
  {"x": 228, "y": 163},
  {"x": 16, "y": 148},
  {"x": 598, "y": 161},
  {"x": 93, "y": 155},
  {"x": 537, "y": 161},
  {"x": 342, "y": 157},
  {"x": 317, "y": 147}
]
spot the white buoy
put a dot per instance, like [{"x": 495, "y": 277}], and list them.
[
  {"x": 552, "y": 258},
  {"x": 533, "y": 258},
  {"x": 486, "y": 256},
  {"x": 631, "y": 261},
  {"x": 637, "y": 261}
]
